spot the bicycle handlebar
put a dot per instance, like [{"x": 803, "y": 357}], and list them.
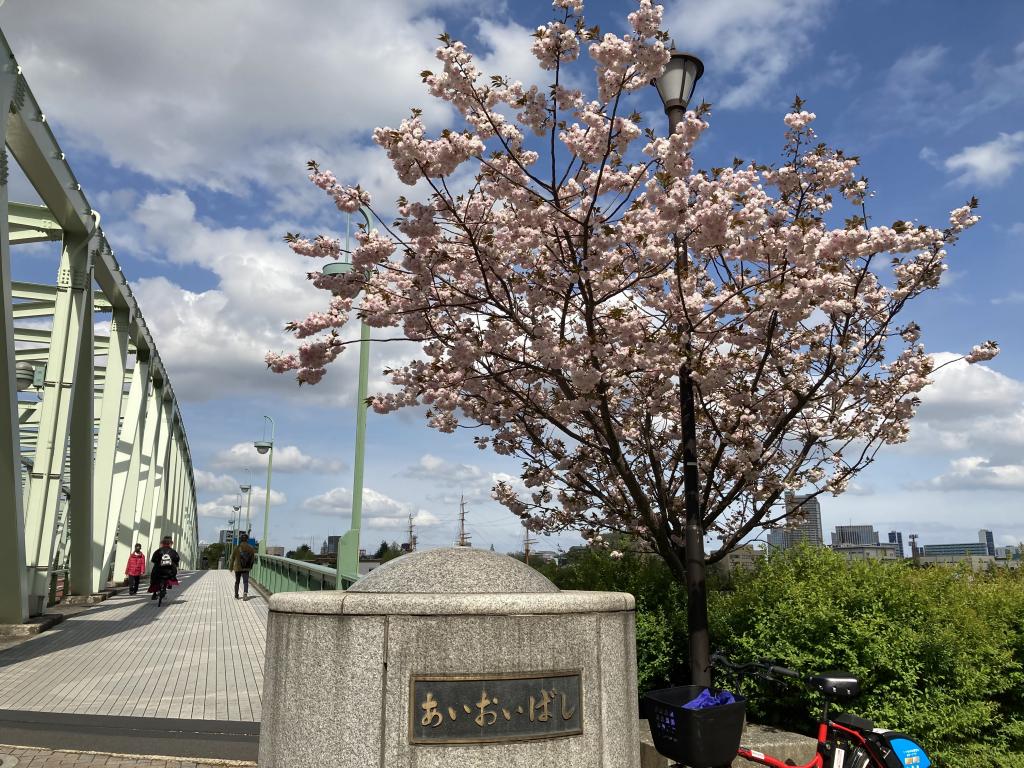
[{"x": 758, "y": 668}]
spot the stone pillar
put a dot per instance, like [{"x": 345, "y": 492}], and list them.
[{"x": 451, "y": 657}]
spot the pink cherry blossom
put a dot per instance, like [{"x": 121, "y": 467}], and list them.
[{"x": 564, "y": 288}]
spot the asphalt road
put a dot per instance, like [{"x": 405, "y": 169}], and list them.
[{"x": 218, "y": 739}]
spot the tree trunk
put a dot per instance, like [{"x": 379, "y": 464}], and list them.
[{"x": 696, "y": 579}]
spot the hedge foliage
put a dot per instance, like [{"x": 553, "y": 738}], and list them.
[{"x": 940, "y": 651}]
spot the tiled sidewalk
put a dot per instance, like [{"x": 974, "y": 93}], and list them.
[
  {"x": 27, "y": 757},
  {"x": 199, "y": 657}
]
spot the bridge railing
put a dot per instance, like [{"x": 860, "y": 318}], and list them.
[{"x": 283, "y": 574}]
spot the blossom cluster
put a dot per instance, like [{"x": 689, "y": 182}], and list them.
[{"x": 560, "y": 311}]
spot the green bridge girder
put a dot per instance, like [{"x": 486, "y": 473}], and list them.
[{"x": 93, "y": 458}]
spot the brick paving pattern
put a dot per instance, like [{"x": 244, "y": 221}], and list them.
[
  {"x": 198, "y": 657},
  {"x": 27, "y": 757}
]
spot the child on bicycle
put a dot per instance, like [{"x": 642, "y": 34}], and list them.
[{"x": 165, "y": 567}]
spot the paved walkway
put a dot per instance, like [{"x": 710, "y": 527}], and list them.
[
  {"x": 27, "y": 757},
  {"x": 199, "y": 657}
]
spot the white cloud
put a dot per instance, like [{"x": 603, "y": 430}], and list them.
[
  {"x": 1013, "y": 297},
  {"x": 455, "y": 482},
  {"x": 229, "y": 92},
  {"x": 978, "y": 473},
  {"x": 991, "y": 163},
  {"x": 750, "y": 44},
  {"x": 378, "y": 510},
  {"x": 970, "y": 409},
  {"x": 208, "y": 482},
  {"x": 223, "y": 506},
  {"x": 287, "y": 458},
  {"x": 214, "y": 341}
]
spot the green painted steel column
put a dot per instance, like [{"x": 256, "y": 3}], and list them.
[
  {"x": 13, "y": 576},
  {"x": 106, "y": 510},
  {"x": 160, "y": 475},
  {"x": 80, "y": 446},
  {"x": 348, "y": 545},
  {"x": 147, "y": 481},
  {"x": 54, "y": 419},
  {"x": 266, "y": 508},
  {"x": 128, "y": 463}
]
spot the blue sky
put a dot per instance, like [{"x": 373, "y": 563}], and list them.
[{"x": 189, "y": 126}]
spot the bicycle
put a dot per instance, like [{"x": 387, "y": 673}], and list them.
[
  {"x": 162, "y": 592},
  {"x": 843, "y": 741}
]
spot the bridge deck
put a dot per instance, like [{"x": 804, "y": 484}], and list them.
[{"x": 199, "y": 657}]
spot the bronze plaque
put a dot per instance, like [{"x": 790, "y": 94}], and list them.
[{"x": 464, "y": 709}]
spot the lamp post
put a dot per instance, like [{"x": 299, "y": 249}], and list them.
[
  {"x": 246, "y": 488},
  {"x": 348, "y": 545},
  {"x": 675, "y": 86},
  {"x": 234, "y": 526},
  {"x": 266, "y": 446},
  {"x": 227, "y": 549}
]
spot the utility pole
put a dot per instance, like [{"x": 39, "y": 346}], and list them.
[
  {"x": 914, "y": 554},
  {"x": 412, "y": 536},
  {"x": 527, "y": 541},
  {"x": 463, "y": 536}
]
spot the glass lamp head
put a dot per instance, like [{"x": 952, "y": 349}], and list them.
[
  {"x": 676, "y": 84},
  {"x": 24, "y": 375},
  {"x": 262, "y": 446},
  {"x": 337, "y": 268}
]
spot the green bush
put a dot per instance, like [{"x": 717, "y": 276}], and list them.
[{"x": 939, "y": 650}]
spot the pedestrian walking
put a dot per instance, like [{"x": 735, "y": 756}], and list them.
[
  {"x": 135, "y": 568},
  {"x": 242, "y": 561}
]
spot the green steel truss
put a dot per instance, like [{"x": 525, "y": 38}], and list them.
[{"x": 93, "y": 453}]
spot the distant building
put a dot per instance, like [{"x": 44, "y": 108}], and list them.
[
  {"x": 971, "y": 549},
  {"x": 275, "y": 551},
  {"x": 985, "y": 537},
  {"x": 854, "y": 535},
  {"x": 977, "y": 562},
  {"x": 745, "y": 558},
  {"x": 896, "y": 537},
  {"x": 225, "y": 536},
  {"x": 869, "y": 551},
  {"x": 803, "y": 524},
  {"x": 330, "y": 546},
  {"x": 544, "y": 555}
]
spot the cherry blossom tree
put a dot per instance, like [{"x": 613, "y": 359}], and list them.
[{"x": 568, "y": 272}]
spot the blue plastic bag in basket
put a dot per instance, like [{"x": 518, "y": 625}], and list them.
[{"x": 706, "y": 699}]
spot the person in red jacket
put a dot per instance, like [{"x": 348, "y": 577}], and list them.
[{"x": 135, "y": 568}]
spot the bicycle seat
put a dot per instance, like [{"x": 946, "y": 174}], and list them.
[
  {"x": 840, "y": 685},
  {"x": 858, "y": 723}
]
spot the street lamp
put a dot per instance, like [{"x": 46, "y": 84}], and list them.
[
  {"x": 227, "y": 549},
  {"x": 247, "y": 490},
  {"x": 675, "y": 86},
  {"x": 24, "y": 375},
  {"x": 348, "y": 545},
  {"x": 262, "y": 447}
]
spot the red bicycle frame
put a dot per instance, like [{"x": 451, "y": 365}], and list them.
[{"x": 818, "y": 761}]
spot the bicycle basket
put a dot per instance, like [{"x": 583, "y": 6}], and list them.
[{"x": 699, "y": 738}]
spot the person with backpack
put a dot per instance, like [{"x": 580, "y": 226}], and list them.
[
  {"x": 242, "y": 561},
  {"x": 135, "y": 568},
  {"x": 165, "y": 567}
]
